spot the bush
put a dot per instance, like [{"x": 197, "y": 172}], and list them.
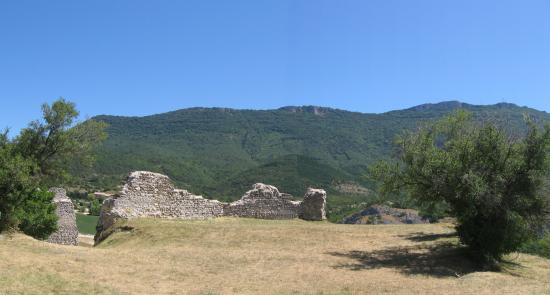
[
  {"x": 37, "y": 216},
  {"x": 95, "y": 207},
  {"x": 539, "y": 247},
  {"x": 16, "y": 185},
  {"x": 39, "y": 157},
  {"x": 492, "y": 184}
]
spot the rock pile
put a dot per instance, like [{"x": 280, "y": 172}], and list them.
[
  {"x": 148, "y": 194},
  {"x": 67, "y": 232},
  {"x": 379, "y": 214}
]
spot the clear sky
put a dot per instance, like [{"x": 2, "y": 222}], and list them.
[{"x": 143, "y": 57}]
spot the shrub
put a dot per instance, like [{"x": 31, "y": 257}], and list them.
[
  {"x": 492, "y": 183},
  {"x": 39, "y": 157},
  {"x": 36, "y": 215},
  {"x": 539, "y": 247},
  {"x": 95, "y": 207},
  {"x": 16, "y": 184}
]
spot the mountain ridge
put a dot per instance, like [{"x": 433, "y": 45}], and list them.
[{"x": 449, "y": 104}]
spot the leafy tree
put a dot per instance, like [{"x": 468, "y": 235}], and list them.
[
  {"x": 56, "y": 143},
  {"x": 38, "y": 158},
  {"x": 492, "y": 183},
  {"x": 95, "y": 207}
]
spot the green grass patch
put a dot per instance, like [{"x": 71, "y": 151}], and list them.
[{"x": 86, "y": 223}]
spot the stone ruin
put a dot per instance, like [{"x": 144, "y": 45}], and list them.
[
  {"x": 314, "y": 205},
  {"x": 148, "y": 194},
  {"x": 67, "y": 232},
  {"x": 264, "y": 201}
]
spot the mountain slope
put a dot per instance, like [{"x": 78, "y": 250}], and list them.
[{"x": 219, "y": 152}]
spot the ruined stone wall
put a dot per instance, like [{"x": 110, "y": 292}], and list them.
[
  {"x": 67, "y": 232},
  {"x": 148, "y": 194},
  {"x": 264, "y": 201}
]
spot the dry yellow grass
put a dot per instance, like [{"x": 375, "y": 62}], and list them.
[{"x": 245, "y": 256}]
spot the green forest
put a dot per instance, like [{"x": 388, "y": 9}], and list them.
[{"x": 220, "y": 152}]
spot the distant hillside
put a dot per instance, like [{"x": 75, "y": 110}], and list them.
[{"x": 220, "y": 152}]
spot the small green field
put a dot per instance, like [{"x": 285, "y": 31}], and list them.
[{"x": 86, "y": 223}]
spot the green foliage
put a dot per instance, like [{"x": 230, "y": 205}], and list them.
[
  {"x": 40, "y": 157},
  {"x": 16, "y": 184},
  {"x": 94, "y": 207},
  {"x": 207, "y": 150},
  {"x": 36, "y": 215},
  {"x": 342, "y": 205},
  {"x": 290, "y": 174},
  {"x": 539, "y": 247},
  {"x": 432, "y": 211},
  {"x": 56, "y": 143},
  {"x": 491, "y": 182}
]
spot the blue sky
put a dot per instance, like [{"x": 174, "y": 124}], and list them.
[{"x": 144, "y": 57}]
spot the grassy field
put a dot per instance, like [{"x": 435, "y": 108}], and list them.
[
  {"x": 86, "y": 223},
  {"x": 245, "y": 256}
]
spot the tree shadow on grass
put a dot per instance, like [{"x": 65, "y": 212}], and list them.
[
  {"x": 441, "y": 260},
  {"x": 422, "y": 237}
]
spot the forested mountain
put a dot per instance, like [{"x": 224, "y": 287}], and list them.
[{"x": 220, "y": 152}]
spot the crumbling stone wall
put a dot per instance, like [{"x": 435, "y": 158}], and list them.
[
  {"x": 264, "y": 201},
  {"x": 148, "y": 194},
  {"x": 67, "y": 232}
]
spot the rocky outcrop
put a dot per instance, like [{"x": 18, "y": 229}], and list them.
[
  {"x": 313, "y": 206},
  {"x": 379, "y": 214},
  {"x": 264, "y": 201},
  {"x": 148, "y": 194},
  {"x": 67, "y": 232}
]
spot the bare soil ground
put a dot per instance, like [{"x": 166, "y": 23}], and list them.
[{"x": 246, "y": 256}]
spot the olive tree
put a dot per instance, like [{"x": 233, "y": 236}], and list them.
[{"x": 493, "y": 183}]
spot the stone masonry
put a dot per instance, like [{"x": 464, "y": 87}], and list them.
[
  {"x": 67, "y": 232},
  {"x": 264, "y": 201},
  {"x": 148, "y": 194},
  {"x": 314, "y": 205}
]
